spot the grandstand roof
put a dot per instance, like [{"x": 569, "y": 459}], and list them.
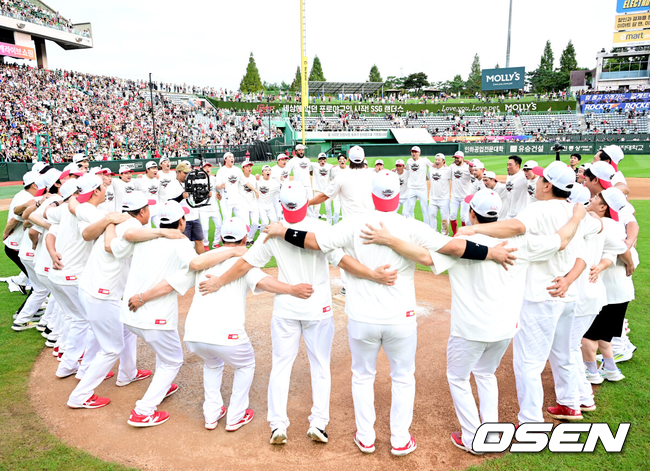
[{"x": 334, "y": 88}]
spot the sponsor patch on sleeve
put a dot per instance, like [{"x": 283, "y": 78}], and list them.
[
  {"x": 327, "y": 308},
  {"x": 104, "y": 291},
  {"x": 71, "y": 278},
  {"x": 233, "y": 336},
  {"x": 410, "y": 313},
  {"x": 13, "y": 244},
  {"x": 161, "y": 321}
]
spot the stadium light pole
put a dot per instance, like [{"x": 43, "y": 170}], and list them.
[
  {"x": 508, "y": 46},
  {"x": 304, "y": 66},
  {"x": 153, "y": 116}
]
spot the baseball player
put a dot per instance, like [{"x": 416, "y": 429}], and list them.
[
  {"x": 280, "y": 173},
  {"x": 440, "y": 177},
  {"x": 250, "y": 195},
  {"x": 13, "y": 231},
  {"x": 269, "y": 189},
  {"x": 123, "y": 185},
  {"x": 382, "y": 316},
  {"x": 81, "y": 160},
  {"x": 516, "y": 186},
  {"x": 231, "y": 179},
  {"x": 491, "y": 183},
  {"x": 550, "y": 298},
  {"x": 460, "y": 188},
  {"x": 100, "y": 292},
  {"x": 150, "y": 306},
  {"x": 211, "y": 211},
  {"x": 403, "y": 184},
  {"x": 300, "y": 166},
  {"x": 149, "y": 185},
  {"x": 486, "y": 301},
  {"x": 176, "y": 190},
  {"x": 334, "y": 171},
  {"x": 222, "y": 338},
  {"x": 321, "y": 176},
  {"x": 379, "y": 165},
  {"x": 165, "y": 176},
  {"x": 531, "y": 179},
  {"x": 106, "y": 174},
  {"x": 613, "y": 155},
  {"x": 292, "y": 318},
  {"x": 416, "y": 167}
]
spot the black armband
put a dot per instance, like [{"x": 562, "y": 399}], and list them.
[
  {"x": 295, "y": 237},
  {"x": 474, "y": 251}
]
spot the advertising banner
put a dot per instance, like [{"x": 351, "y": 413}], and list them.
[
  {"x": 327, "y": 135},
  {"x": 15, "y": 50},
  {"x": 631, "y": 6},
  {"x": 637, "y": 21},
  {"x": 632, "y": 38},
  {"x": 613, "y": 101},
  {"x": 512, "y": 78},
  {"x": 545, "y": 148}
]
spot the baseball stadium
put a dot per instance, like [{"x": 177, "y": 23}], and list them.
[{"x": 423, "y": 270}]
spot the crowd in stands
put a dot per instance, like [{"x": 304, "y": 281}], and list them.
[
  {"x": 630, "y": 122},
  {"x": 107, "y": 117},
  {"x": 32, "y": 13}
]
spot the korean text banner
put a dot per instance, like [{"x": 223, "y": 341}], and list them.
[
  {"x": 635, "y": 21},
  {"x": 511, "y": 78},
  {"x": 630, "y": 6},
  {"x": 15, "y": 50}
]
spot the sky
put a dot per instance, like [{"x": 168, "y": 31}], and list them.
[{"x": 208, "y": 43}]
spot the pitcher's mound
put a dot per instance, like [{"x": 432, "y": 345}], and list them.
[{"x": 183, "y": 442}]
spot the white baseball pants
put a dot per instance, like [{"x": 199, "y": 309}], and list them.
[
  {"x": 78, "y": 341},
  {"x": 169, "y": 359},
  {"x": 311, "y": 212},
  {"x": 336, "y": 203},
  {"x": 403, "y": 204},
  {"x": 399, "y": 342},
  {"x": 56, "y": 316},
  {"x": 267, "y": 216},
  {"x": 418, "y": 194},
  {"x": 278, "y": 209},
  {"x": 204, "y": 217},
  {"x": 434, "y": 207},
  {"x": 545, "y": 334},
  {"x": 36, "y": 299},
  {"x": 482, "y": 359},
  {"x": 581, "y": 325},
  {"x": 454, "y": 205},
  {"x": 285, "y": 334},
  {"x": 242, "y": 358},
  {"x": 115, "y": 341},
  {"x": 464, "y": 212}
]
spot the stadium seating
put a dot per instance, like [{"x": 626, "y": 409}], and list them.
[
  {"x": 614, "y": 123},
  {"x": 550, "y": 124}
]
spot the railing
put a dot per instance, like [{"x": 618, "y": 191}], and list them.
[
  {"x": 624, "y": 74},
  {"x": 38, "y": 22}
]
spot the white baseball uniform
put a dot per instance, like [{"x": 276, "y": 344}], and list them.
[
  {"x": 321, "y": 176},
  {"x": 530, "y": 188},
  {"x": 300, "y": 167},
  {"x": 164, "y": 180},
  {"x": 220, "y": 337},
  {"x": 108, "y": 205},
  {"x": 233, "y": 177},
  {"x": 280, "y": 174},
  {"x": 211, "y": 211},
  {"x": 403, "y": 190},
  {"x": 439, "y": 194},
  {"x": 500, "y": 189},
  {"x": 121, "y": 188},
  {"x": 336, "y": 203},
  {"x": 518, "y": 198},
  {"x": 417, "y": 185},
  {"x": 294, "y": 317},
  {"x": 460, "y": 188},
  {"x": 269, "y": 194},
  {"x": 249, "y": 209}
]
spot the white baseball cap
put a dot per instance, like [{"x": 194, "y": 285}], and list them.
[
  {"x": 50, "y": 178},
  {"x": 459, "y": 153},
  {"x": 490, "y": 174},
  {"x": 125, "y": 169},
  {"x": 38, "y": 166},
  {"x": 399, "y": 162},
  {"x": 136, "y": 200},
  {"x": 151, "y": 164},
  {"x": 379, "y": 161},
  {"x": 579, "y": 194},
  {"x": 585, "y": 166},
  {"x": 385, "y": 191},
  {"x": 172, "y": 211},
  {"x": 485, "y": 203},
  {"x": 73, "y": 169},
  {"x": 234, "y": 230},
  {"x": 300, "y": 146},
  {"x": 322, "y": 155},
  {"x": 281, "y": 156},
  {"x": 206, "y": 164},
  {"x": 266, "y": 167},
  {"x": 615, "y": 153},
  {"x": 29, "y": 178},
  {"x": 416, "y": 149},
  {"x": 87, "y": 184},
  {"x": 102, "y": 171},
  {"x": 476, "y": 163},
  {"x": 40, "y": 186},
  {"x": 165, "y": 158},
  {"x": 615, "y": 199},
  {"x": 69, "y": 188},
  {"x": 294, "y": 201},
  {"x": 228, "y": 154},
  {"x": 79, "y": 158},
  {"x": 356, "y": 154},
  {"x": 530, "y": 164},
  {"x": 440, "y": 155},
  {"x": 604, "y": 172},
  {"x": 245, "y": 163},
  {"x": 559, "y": 174}
]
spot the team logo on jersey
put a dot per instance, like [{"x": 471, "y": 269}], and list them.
[
  {"x": 531, "y": 190},
  {"x": 128, "y": 189},
  {"x": 264, "y": 189},
  {"x": 458, "y": 174},
  {"x": 327, "y": 308},
  {"x": 401, "y": 181},
  {"x": 509, "y": 186},
  {"x": 164, "y": 183},
  {"x": 71, "y": 278},
  {"x": 303, "y": 165},
  {"x": 110, "y": 196},
  {"x": 472, "y": 179},
  {"x": 323, "y": 171},
  {"x": 247, "y": 190},
  {"x": 410, "y": 313},
  {"x": 232, "y": 179},
  {"x": 160, "y": 321},
  {"x": 415, "y": 167},
  {"x": 233, "y": 336},
  {"x": 435, "y": 176},
  {"x": 153, "y": 190},
  {"x": 285, "y": 174},
  {"x": 104, "y": 291}
]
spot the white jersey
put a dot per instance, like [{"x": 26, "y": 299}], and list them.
[
  {"x": 248, "y": 197},
  {"x": 500, "y": 189},
  {"x": 439, "y": 178},
  {"x": 218, "y": 318},
  {"x": 476, "y": 185},
  {"x": 16, "y": 235},
  {"x": 40, "y": 256},
  {"x": 354, "y": 189},
  {"x": 417, "y": 172},
  {"x": 154, "y": 261},
  {"x": 296, "y": 266},
  {"x": 280, "y": 174},
  {"x": 486, "y": 299},
  {"x": 108, "y": 205},
  {"x": 104, "y": 276},
  {"x": 121, "y": 188},
  {"x": 300, "y": 168},
  {"x": 213, "y": 205},
  {"x": 618, "y": 178},
  {"x": 530, "y": 188},
  {"x": 148, "y": 186},
  {"x": 70, "y": 243},
  {"x": 176, "y": 188},
  {"x": 269, "y": 192},
  {"x": 321, "y": 176},
  {"x": 164, "y": 179},
  {"x": 517, "y": 188},
  {"x": 460, "y": 180},
  {"x": 233, "y": 178},
  {"x": 367, "y": 301}
]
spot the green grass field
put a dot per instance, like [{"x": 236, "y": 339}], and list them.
[{"x": 26, "y": 444}]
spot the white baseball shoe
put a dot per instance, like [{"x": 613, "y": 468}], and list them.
[
  {"x": 278, "y": 436},
  {"x": 213, "y": 425},
  {"x": 594, "y": 378},
  {"x": 362, "y": 447},
  {"x": 318, "y": 435},
  {"x": 610, "y": 375}
]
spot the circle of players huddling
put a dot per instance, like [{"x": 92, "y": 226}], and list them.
[{"x": 545, "y": 259}]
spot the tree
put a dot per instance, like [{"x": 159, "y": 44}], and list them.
[
  {"x": 546, "y": 62},
  {"x": 251, "y": 81},
  {"x": 394, "y": 82},
  {"x": 295, "y": 85},
  {"x": 374, "y": 76},
  {"x": 473, "y": 84},
  {"x": 568, "y": 61},
  {"x": 456, "y": 85},
  {"x": 416, "y": 81},
  {"x": 316, "y": 74},
  {"x": 497, "y": 66}
]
